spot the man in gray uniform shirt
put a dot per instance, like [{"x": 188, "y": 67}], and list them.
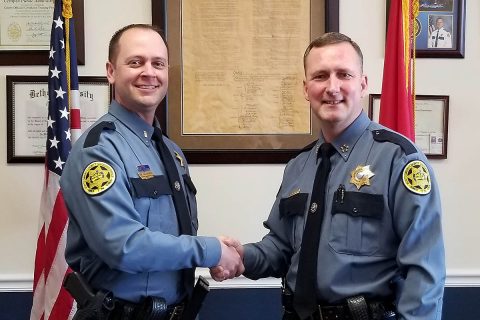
[
  {"x": 379, "y": 251},
  {"x": 131, "y": 203}
]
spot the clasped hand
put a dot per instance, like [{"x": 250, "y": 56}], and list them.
[{"x": 231, "y": 261}]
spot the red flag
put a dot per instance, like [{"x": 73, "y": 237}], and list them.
[
  {"x": 397, "y": 99},
  {"x": 50, "y": 299}
]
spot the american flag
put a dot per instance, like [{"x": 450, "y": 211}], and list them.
[{"x": 50, "y": 299}]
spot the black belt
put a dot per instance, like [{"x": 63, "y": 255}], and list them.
[
  {"x": 150, "y": 308},
  {"x": 355, "y": 308}
]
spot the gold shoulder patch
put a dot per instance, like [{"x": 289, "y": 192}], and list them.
[
  {"x": 416, "y": 177},
  {"x": 97, "y": 178}
]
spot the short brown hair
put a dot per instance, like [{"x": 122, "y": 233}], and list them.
[
  {"x": 332, "y": 38},
  {"x": 113, "y": 45}
]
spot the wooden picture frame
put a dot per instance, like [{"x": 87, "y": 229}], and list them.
[
  {"x": 40, "y": 57},
  {"x": 208, "y": 147},
  {"x": 448, "y": 43},
  {"x": 27, "y": 110},
  {"x": 431, "y": 122}
]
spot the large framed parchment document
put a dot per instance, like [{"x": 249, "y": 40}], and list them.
[
  {"x": 236, "y": 76},
  {"x": 431, "y": 122},
  {"x": 27, "y": 111},
  {"x": 25, "y": 31}
]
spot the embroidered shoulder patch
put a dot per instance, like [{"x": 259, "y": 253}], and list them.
[
  {"x": 416, "y": 177},
  {"x": 97, "y": 178}
]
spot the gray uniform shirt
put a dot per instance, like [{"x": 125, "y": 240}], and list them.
[
  {"x": 382, "y": 239},
  {"x": 126, "y": 239}
]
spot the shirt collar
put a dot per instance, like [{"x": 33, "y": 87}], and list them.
[
  {"x": 136, "y": 124},
  {"x": 345, "y": 142}
]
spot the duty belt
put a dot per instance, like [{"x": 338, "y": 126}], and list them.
[
  {"x": 151, "y": 308},
  {"x": 355, "y": 308}
]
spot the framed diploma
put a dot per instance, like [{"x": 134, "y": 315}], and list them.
[
  {"x": 25, "y": 31},
  {"x": 439, "y": 29},
  {"x": 27, "y": 110},
  {"x": 236, "y": 76},
  {"x": 431, "y": 122}
]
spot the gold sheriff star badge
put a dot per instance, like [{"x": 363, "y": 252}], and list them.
[{"x": 361, "y": 176}]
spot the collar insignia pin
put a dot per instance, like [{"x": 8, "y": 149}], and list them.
[
  {"x": 344, "y": 148},
  {"x": 179, "y": 159}
]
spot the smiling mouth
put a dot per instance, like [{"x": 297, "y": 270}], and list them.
[
  {"x": 147, "y": 86},
  {"x": 332, "y": 101}
]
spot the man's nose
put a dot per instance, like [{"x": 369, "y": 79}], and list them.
[
  {"x": 333, "y": 84},
  {"x": 148, "y": 69}
]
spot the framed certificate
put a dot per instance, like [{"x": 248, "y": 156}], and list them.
[
  {"x": 431, "y": 122},
  {"x": 25, "y": 31},
  {"x": 236, "y": 76},
  {"x": 27, "y": 111}
]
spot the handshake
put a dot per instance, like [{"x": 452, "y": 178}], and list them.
[{"x": 231, "y": 260}]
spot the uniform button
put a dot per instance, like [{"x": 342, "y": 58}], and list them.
[
  {"x": 177, "y": 185},
  {"x": 155, "y": 192},
  {"x": 355, "y": 211},
  {"x": 313, "y": 207}
]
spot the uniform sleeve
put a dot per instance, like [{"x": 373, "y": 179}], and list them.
[
  {"x": 421, "y": 256},
  {"x": 113, "y": 228}
]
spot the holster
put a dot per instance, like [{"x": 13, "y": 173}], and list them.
[{"x": 97, "y": 309}]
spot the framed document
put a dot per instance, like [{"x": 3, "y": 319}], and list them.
[
  {"x": 25, "y": 31},
  {"x": 431, "y": 122},
  {"x": 27, "y": 111},
  {"x": 439, "y": 29},
  {"x": 236, "y": 76}
]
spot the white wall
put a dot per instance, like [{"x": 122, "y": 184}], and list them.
[{"x": 235, "y": 199}]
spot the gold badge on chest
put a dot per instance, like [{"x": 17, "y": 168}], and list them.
[{"x": 361, "y": 176}]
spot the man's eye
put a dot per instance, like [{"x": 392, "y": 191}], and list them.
[
  {"x": 160, "y": 65},
  {"x": 345, "y": 75},
  {"x": 320, "y": 77},
  {"x": 134, "y": 63}
]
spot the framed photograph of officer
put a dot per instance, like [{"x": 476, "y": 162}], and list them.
[{"x": 439, "y": 29}]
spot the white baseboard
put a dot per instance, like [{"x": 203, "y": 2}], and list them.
[{"x": 455, "y": 278}]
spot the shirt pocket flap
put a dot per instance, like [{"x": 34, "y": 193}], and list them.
[
  {"x": 293, "y": 205},
  {"x": 151, "y": 188},
  {"x": 359, "y": 204}
]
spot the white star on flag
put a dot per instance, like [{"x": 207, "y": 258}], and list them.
[
  {"x": 50, "y": 122},
  {"x": 60, "y": 93},
  {"x": 54, "y": 142},
  {"x": 58, "y": 23},
  {"x": 59, "y": 163},
  {"x": 64, "y": 113},
  {"x": 55, "y": 72}
]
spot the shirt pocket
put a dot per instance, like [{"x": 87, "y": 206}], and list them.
[
  {"x": 292, "y": 212},
  {"x": 356, "y": 224},
  {"x": 147, "y": 190}
]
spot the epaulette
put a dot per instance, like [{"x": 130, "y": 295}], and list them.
[
  {"x": 393, "y": 137},
  {"x": 308, "y": 147},
  {"x": 95, "y": 132}
]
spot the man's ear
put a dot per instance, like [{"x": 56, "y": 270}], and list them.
[
  {"x": 305, "y": 90},
  {"x": 110, "y": 72},
  {"x": 364, "y": 85}
]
